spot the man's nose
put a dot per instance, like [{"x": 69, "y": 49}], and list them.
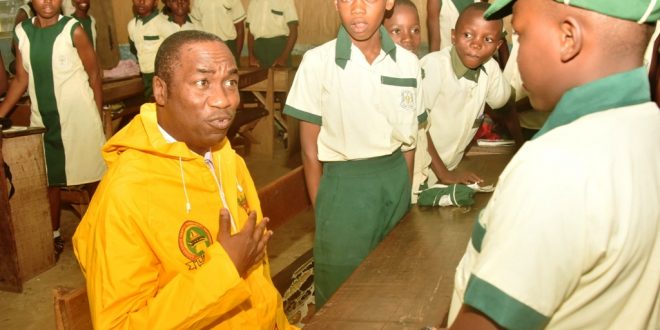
[{"x": 221, "y": 98}]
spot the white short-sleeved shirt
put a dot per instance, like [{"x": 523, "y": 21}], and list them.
[
  {"x": 364, "y": 110},
  {"x": 144, "y": 32},
  {"x": 456, "y": 106},
  {"x": 218, "y": 16},
  {"x": 569, "y": 239},
  {"x": 167, "y": 26},
  {"x": 270, "y": 18}
]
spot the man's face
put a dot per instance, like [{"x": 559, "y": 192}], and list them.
[
  {"x": 200, "y": 101},
  {"x": 476, "y": 40},
  {"x": 179, "y": 7},
  {"x": 362, "y": 18},
  {"x": 404, "y": 28},
  {"x": 144, "y": 7},
  {"x": 538, "y": 55}
]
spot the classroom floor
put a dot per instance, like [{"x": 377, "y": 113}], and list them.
[{"x": 33, "y": 308}]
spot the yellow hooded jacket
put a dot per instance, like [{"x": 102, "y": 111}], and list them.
[{"x": 147, "y": 244}]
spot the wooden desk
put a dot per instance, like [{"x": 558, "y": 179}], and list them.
[
  {"x": 130, "y": 91},
  {"x": 407, "y": 281},
  {"x": 26, "y": 237},
  {"x": 251, "y": 80}
]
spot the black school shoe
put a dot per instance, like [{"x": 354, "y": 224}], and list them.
[{"x": 58, "y": 244}]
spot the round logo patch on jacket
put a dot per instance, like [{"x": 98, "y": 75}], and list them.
[{"x": 194, "y": 238}]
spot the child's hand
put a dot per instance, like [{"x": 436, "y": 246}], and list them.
[
  {"x": 280, "y": 62},
  {"x": 460, "y": 176}
]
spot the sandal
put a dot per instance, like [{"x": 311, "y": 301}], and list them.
[{"x": 58, "y": 243}]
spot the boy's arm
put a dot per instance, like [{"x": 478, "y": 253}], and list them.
[
  {"x": 433, "y": 24},
  {"x": 309, "y": 134},
  {"x": 252, "y": 60},
  {"x": 17, "y": 87},
  {"x": 290, "y": 42},
  {"x": 409, "y": 156},
  {"x": 240, "y": 37},
  {"x": 444, "y": 175},
  {"x": 89, "y": 61}
]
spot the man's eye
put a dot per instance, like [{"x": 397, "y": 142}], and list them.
[
  {"x": 416, "y": 30},
  {"x": 489, "y": 40},
  {"x": 231, "y": 83},
  {"x": 202, "y": 83},
  {"x": 396, "y": 31},
  {"x": 467, "y": 35}
]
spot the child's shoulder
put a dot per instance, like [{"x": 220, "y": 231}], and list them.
[
  {"x": 319, "y": 54},
  {"x": 440, "y": 58}
]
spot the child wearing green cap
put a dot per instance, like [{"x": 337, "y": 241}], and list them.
[
  {"x": 570, "y": 237},
  {"x": 358, "y": 101}
]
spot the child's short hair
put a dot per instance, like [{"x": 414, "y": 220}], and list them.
[
  {"x": 482, "y": 7},
  {"x": 398, "y": 3}
]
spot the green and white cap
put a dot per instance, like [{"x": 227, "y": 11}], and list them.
[{"x": 640, "y": 11}]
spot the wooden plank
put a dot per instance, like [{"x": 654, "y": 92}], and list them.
[
  {"x": 30, "y": 214},
  {"x": 285, "y": 198},
  {"x": 72, "y": 309},
  {"x": 9, "y": 268},
  {"x": 407, "y": 281}
]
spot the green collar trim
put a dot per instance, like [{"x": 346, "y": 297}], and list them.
[
  {"x": 343, "y": 46},
  {"x": 460, "y": 70},
  {"x": 149, "y": 17},
  {"x": 615, "y": 91},
  {"x": 170, "y": 17}
]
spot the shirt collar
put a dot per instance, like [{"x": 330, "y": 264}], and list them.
[
  {"x": 615, "y": 91},
  {"x": 463, "y": 71},
  {"x": 170, "y": 16},
  {"x": 343, "y": 46},
  {"x": 146, "y": 19}
]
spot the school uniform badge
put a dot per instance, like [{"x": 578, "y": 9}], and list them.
[
  {"x": 407, "y": 100},
  {"x": 194, "y": 238}
]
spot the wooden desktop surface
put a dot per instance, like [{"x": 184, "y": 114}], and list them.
[{"x": 407, "y": 281}]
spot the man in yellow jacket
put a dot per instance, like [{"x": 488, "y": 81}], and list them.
[{"x": 171, "y": 237}]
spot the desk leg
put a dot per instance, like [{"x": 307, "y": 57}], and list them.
[{"x": 265, "y": 130}]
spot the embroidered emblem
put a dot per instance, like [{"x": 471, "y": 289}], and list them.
[
  {"x": 407, "y": 99},
  {"x": 242, "y": 200},
  {"x": 194, "y": 238}
]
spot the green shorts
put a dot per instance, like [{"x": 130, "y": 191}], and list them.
[
  {"x": 357, "y": 204},
  {"x": 232, "y": 46},
  {"x": 267, "y": 50}
]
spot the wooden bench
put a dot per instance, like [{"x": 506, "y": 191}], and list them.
[{"x": 281, "y": 201}]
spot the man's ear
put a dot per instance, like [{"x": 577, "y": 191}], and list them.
[
  {"x": 571, "y": 39},
  {"x": 453, "y": 36},
  {"x": 160, "y": 90}
]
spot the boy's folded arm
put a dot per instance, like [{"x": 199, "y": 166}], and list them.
[{"x": 445, "y": 175}]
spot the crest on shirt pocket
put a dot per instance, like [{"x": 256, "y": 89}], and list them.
[
  {"x": 194, "y": 239},
  {"x": 407, "y": 99}
]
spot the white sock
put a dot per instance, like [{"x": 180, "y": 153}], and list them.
[{"x": 56, "y": 233}]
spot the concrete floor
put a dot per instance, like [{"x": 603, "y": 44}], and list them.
[{"x": 33, "y": 308}]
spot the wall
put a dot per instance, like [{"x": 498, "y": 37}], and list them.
[{"x": 318, "y": 20}]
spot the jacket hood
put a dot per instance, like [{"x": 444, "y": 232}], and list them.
[{"x": 142, "y": 134}]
